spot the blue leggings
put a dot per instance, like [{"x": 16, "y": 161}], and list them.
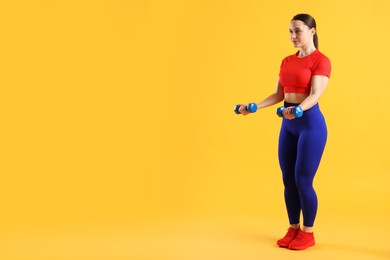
[{"x": 301, "y": 144}]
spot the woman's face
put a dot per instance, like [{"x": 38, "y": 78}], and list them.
[{"x": 300, "y": 34}]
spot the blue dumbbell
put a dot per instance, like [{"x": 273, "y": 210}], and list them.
[
  {"x": 279, "y": 111},
  {"x": 296, "y": 111},
  {"x": 251, "y": 108}
]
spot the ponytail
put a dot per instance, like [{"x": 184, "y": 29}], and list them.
[{"x": 315, "y": 40}]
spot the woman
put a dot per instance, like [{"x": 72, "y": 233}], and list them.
[{"x": 302, "y": 80}]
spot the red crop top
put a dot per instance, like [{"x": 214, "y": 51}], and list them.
[{"x": 295, "y": 72}]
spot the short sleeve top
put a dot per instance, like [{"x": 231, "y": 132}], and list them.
[{"x": 296, "y": 72}]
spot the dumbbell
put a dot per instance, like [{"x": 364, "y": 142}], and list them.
[
  {"x": 296, "y": 111},
  {"x": 251, "y": 108}
]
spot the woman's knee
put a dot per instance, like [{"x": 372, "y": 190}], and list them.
[
  {"x": 303, "y": 183},
  {"x": 289, "y": 181}
]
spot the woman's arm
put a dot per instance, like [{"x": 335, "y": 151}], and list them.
[
  {"x": 318, "y": 85},
  {"x": 269, "y": 101},
  {"x": 274, "y": 98}
]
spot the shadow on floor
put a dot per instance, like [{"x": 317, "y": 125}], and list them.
[{"x": 271, "y": 240}]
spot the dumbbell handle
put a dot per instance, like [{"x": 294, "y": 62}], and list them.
[
  {"x": 296, "y": 111},
  {"x": 251, "y": 108}
]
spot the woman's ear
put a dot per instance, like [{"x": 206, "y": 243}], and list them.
[{"x": 313, "y": 31}]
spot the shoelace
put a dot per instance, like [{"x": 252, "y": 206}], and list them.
[
  {"x": 291, "y": 233},
  {"x": 299, "y": 237}
]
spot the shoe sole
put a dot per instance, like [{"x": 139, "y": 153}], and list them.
[{"x": 301, "y": 248}]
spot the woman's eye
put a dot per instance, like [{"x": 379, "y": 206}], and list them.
[{"x": 296, "y": 31}]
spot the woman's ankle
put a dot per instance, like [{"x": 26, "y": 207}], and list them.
[
  {"x": 294, "y": 226},
  {"x": 307, "y": 229}
]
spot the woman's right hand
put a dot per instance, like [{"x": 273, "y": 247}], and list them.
[
  {"x": 287, "y": 113},
  {"x": 243, "y": 110}
]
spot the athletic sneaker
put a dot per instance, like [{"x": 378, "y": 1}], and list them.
[
  {"x": 302, "y": 241},
  {"x": 291, "y": 234}
]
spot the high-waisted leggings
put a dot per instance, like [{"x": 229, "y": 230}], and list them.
[{"x": 301, "y": 144}]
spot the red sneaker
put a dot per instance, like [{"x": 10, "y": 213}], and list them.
[
  {"x": 291, "y": 234},
  {"x": 302, "y": 241}
]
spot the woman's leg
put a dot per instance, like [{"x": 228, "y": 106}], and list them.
[
  {"x": 311, "y": 145},
  {"x": 287, "y": 156}
]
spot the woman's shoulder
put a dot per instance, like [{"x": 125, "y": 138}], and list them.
[
  {"x": 290, "y": 57},
  {"x": 320, "y": 55}
]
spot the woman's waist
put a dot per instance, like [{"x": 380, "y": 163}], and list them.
[
  {"x": 314, "y": 109},
  {"x": 296, "y": 98}
]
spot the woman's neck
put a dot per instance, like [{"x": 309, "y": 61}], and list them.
[{"x": 304, "y": 51}]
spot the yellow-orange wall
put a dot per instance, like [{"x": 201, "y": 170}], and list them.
[{"x": 116, "y": 112}]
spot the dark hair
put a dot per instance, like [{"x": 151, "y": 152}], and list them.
[{"x": 310, "y": 22}]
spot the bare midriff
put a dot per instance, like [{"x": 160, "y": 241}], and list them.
[{"x": 296, "y": 98}]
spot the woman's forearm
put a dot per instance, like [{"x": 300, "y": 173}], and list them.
[
  {"x": 271, "y": 100},
  {"x": 310, "y": 101},
  {"x": 318, "y": 85}
]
